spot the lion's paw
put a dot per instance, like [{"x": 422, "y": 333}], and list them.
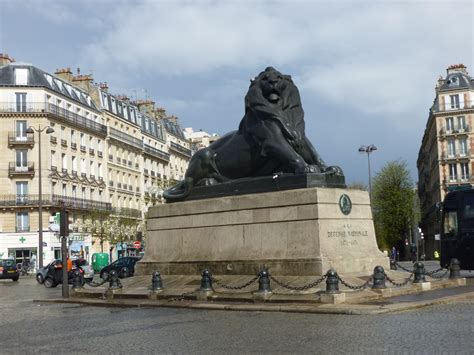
[{"x": 334, "y": 170}]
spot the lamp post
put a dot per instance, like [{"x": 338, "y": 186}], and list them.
[
  {"x": 368, "y": 149},
  {"x": 40, "y": 130}
]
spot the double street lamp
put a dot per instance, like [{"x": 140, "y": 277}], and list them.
[
  {"x": 368, "y": 149},
  {"x": 40, "y": 130}
]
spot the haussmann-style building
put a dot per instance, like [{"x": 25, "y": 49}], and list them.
[
  {"x": 101, "y": 155},
  {"x": 446, "y": 157}
]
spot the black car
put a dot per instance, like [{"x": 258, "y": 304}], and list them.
[
  {"x": 125, "y": 267},
  {"x": 54, "y": 275},
  {"x": 8, "y": 270}
]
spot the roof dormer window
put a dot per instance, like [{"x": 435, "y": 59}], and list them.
[{"x": 21, "y": 76}]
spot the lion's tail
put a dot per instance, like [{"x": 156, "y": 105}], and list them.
[{"x": 178, "y": 192}]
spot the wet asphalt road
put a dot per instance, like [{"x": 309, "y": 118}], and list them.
[{"x": 28, "y": 327}]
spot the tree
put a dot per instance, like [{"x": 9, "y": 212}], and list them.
[
  {"x": 393, "y": 201},
  {"x": 98, "y": 224}
]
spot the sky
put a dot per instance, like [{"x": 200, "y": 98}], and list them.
[{"x": 366, "y": 70}]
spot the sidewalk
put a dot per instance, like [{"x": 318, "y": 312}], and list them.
[{"x": 182, "y": 292}]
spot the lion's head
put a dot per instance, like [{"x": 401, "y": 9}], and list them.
[{"x": 273, "y": 89}]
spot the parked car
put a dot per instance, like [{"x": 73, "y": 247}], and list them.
[
  {"x": 8, "y": 270},
  {"x": 54, "y": 275},
  {"x": 125, "y": 267},
  {"x": 41, "y": 273}
]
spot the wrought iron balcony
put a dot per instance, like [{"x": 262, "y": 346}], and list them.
[
  {"x": 74, "y": 146},
  {"x": 91, "y": 151},
  {"x": 99, "y": 154},
  {"x": 57, "y": 112},
  {"x": 180, "y": 149},
  {"x": 83, "y": 148},
  {"x": 21, "y": 170},
  {"x": 53, "y": 139},
  {"x": 126, "y": 138},
  {"x": 454, "y": 131},
  {"x": 51, "y": 200},
  {"x": 466, "y": 105},
  {"x": 156, "y": 152},
  {"x": 63, "y": 143},
  {"x": 20, "y": 139}
]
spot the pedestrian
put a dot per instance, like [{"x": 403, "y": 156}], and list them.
[
  {"x": 413, "y": 252},
  {"x": 394, "y": 254}
]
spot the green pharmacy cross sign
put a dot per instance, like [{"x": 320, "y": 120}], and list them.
[{"x": 22, "y": 240}]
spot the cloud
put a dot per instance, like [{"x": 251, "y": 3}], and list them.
[{"x": 369, "y": 57}]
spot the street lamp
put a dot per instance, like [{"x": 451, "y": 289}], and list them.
[
  {"x": 40, "y": 130},
  {"x": 368, "y": 149}
]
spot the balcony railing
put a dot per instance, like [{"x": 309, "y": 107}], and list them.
[
  {"x": 83, "y": 148},
  {"x": 446, "y": 156},
  {"x": 19, "y": 229},
  {"x": 156, "y": 152},
  {"x": 63, "y": 143},
  {"x": 91, "y": 151},
  {"x": 126, "y": 138},
  {"x": 128, "y": 212},
  {"x": 53, "y": 201},
  {"x": 457, "y": 106},
  {"x": 99, "y": 154},
  {"x": 59, "y": 113},
  {"x": 26, "y": 170},
  {"x": 53, "y": 139},
  {"x": 74, "y": 146},
  {"x": 17, "y": 139},
  {"x": 455, "y": 130},
  {"x": 180, "y": 149}
]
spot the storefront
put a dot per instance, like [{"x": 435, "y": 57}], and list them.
[
  {"x": 80, "y": 245},
  {"x": 24, "y": 247}
]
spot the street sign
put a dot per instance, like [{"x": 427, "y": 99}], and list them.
[
  {"x": 137, "y": 244},
  {"x": 437, "y": 237},
  {"x": 54, "y": 227},
  {"x": 77, "y": 237}
]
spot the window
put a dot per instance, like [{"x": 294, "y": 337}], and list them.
[
  {"x": 64, "y": 192},
  {"x": 21, "y": 127},
  {"x": 453, "y": 175},
  {"x": 22, "y": 222},
  {"x": 21, "y": 159},
  {"x": 99, "y": 145},
  {"x": 73, "y": 136},
  {"x": 20, "y": 101},
  {"x": 83, "y": 193},
  {"x": 451, "y": 223},
  {"x": 83, "y": 140},
  {"x": 461, "y": 123},
  {"x": 451, "y": 148},
  {"x": 464, "y": 171},
  {"x": 74, "y": 191},
  {"x": 463, "y": 147},
  {"x": 21, "y": 76},
  {"x": 99, "y": 170},
  {"x": 64, "y": 161},
  {"x": 74, "y": 163},
  {"x": 83, "y": 166},
  {"x": 21, "y": 191},
  {"x": 454, "y": 101},
  {"x": 449, "y": 124},
  {"x": 92, "y": 169}
]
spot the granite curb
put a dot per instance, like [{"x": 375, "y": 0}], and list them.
[{"x": 346, "y": 308}]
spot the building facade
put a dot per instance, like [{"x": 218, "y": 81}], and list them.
[
  {"x": 446, "y": 156},
  {"x": 104, "y": 159}
]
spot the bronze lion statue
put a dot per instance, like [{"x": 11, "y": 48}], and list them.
[{"x": 270, "y": 139}]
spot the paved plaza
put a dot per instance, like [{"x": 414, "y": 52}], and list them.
[{"x": 29, "y": 327}]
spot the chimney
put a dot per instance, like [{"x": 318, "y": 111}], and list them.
[
  {"x": 173, "y": 119},
  {"x": 457, "y": 68},
  {"x": 104, "y": 87},
  {"x": 64, "y": 73},
  {"x": 5, "y": 59},
  {"x": 84, "y": 82},
  {"x": 124, "y": 98},
  {"x": 146, "y": 106},
  {"x": 159, "y": 113}
]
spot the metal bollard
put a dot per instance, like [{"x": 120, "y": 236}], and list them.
[
  {"x": 206, "y": 281},
  {"x": 332, "y": 282},
  {"x": 379, "y": 278},
  {"x": 419, "y": 272},
  {"x": 156, "y": 282},
  {"x": 77, "y": 280},
  {"x": 454, "y": 269},
  {"x": 114, "y": 283},
  {"x": 264, "y": 281},
  {"x": 393, "y": 264}
]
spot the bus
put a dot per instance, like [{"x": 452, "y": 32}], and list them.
[{"x": 457, "y": 228}]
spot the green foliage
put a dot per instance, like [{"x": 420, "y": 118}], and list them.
[
  {"x": 357, "y": 185},
  {"x": 393, "y": 202}
]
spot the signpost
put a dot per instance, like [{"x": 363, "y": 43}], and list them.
[{"x": 137, "y": 244}]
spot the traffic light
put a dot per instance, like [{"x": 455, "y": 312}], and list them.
[{"x": 65, "y": 224}]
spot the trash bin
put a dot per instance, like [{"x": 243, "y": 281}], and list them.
[{"x": 99, "y": 260}]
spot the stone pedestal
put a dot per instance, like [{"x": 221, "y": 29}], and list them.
[{"x": 293, "y": 232}]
